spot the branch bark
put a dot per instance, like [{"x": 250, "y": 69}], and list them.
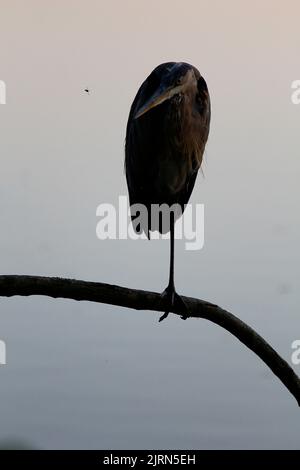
[{"x": 11, "y": 285}]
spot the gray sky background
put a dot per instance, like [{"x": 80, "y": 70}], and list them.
[{"x": 91, "y": 376}]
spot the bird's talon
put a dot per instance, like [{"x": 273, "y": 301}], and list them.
[
  {"x": 168, "y": 297},
  {"x": 172, "y": 298},
  {"x": 163, "y": 316},
  {"x": 184, "y": 308}
]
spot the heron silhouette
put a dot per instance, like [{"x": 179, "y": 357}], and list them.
[{"x": 166, "y": 134}]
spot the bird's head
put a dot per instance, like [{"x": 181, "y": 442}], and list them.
[{"x": 174, "y": 79}]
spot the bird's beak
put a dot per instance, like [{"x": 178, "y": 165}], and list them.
[{"x": 161, "y": 95}]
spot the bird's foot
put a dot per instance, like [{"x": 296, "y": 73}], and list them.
[{"x": 170, "y": 298}]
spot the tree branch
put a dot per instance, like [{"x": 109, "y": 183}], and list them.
[{"x": 142, "y": 300}]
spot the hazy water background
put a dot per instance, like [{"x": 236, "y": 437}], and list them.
[{"x": 81, "y": 375}]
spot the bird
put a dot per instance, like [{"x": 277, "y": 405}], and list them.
[{"x": 166, "y": 134}]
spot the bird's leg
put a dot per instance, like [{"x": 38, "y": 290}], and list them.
[{"x": 170, "y": 295}]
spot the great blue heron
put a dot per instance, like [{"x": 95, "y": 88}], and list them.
[{"x": 167, "y": 130}]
